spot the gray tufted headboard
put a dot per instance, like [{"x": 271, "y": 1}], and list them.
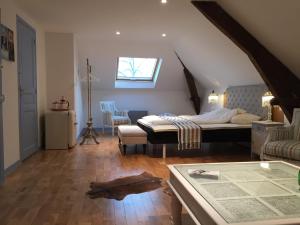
[{"x": 246, "y": 97}]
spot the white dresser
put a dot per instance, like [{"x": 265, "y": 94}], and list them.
[
  {"x": 60, "y": 129},
  {"x": 259, "y": 134}
]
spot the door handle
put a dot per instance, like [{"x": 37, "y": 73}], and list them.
[{"x": 2, "y": 98}]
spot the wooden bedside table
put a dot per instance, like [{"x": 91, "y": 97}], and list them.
[{"x": 259, "y": 135}]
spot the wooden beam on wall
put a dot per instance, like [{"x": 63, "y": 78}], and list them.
[
  {"x": 281, "y": 81},
  {"x": 192, "y": 87}
]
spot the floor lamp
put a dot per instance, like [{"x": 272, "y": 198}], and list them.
[{"x": 90, "y": 132}]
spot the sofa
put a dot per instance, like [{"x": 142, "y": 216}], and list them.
[{"x": 283, "y": 143}]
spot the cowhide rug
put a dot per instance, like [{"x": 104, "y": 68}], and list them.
[{"x": 119, "y": 188}]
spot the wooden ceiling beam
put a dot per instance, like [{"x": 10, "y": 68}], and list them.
[
  {"x": 192, "y": 87},
  {"x": 281, "y": 81}
]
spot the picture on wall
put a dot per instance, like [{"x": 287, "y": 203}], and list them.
[{"x": 7, "y": 43}]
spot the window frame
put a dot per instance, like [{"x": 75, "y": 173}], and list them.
[{"x": 137, "y": 80}]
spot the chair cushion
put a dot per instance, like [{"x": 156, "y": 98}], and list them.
[
  {"x": 288, "y": 149},
  {"x": 120, "y": 120},
  {"x": 131, "y": 131}
]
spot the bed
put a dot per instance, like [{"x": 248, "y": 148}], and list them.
[
  {"x": 245, "y": 97},
  {"x": 210, "y": 133}
]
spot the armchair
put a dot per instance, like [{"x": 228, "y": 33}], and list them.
[
  {"x": 112, "y": 117},
  {"x": 283, "y": 142}
]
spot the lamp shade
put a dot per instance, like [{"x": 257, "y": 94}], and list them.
[
  {"x": 266, "y": 98},
  {"x": 213, "y": 98}
]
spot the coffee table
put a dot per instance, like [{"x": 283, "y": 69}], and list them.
[{"x": 245, "y": 193}]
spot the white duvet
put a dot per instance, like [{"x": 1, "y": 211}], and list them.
[
  {"x": 223, "y": 115},
  {"x": 156, "y": 120}
]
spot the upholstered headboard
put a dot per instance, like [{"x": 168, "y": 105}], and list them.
[{"x": 246, "y": 97}]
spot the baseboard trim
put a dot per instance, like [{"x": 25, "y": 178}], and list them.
[
  {"x": 15, "y": 165},
  {"x": 12, "y": 168}
]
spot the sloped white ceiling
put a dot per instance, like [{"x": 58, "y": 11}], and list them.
[
  {"x": 214, "y": 59},
  {"x": 275, "y": 23},
  {"x": 210, "y": 56}
]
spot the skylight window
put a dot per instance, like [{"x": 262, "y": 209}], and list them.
[{"x": 137, "y": 69}]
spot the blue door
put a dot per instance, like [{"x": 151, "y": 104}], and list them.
[
  {"x": 26, "y": 37},
  {"x": 1, "y": 126}
]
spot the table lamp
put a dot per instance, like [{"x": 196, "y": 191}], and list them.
[{"x": 266, "y": 98}]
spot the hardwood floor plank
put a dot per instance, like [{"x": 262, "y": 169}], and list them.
[{"x": 49, "y": 188}]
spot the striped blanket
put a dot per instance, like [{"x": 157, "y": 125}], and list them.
[{"x": 189, "y": 133}]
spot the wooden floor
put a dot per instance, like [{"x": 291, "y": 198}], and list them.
[{"x": 49, "y": 188}]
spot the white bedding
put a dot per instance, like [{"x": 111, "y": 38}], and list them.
[
  {"x": 217, "y": 119},
  {"x": 223, "y": 115},
  {"x": 170, "y": 127},
  {"x": 218, "y": 116},
  {"x": 156, "y": 120}
]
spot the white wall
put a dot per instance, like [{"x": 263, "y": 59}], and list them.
[
  {"x": 274, "y": 23},
  {"x": 154, "y": 102},
  {"x": 63, "y": 73},
  {"x": 78, "y": 93},
  {"x": 170, "y": 94},
  {"x": 10, "y": 83},
  {"x": 207, "y": 107},
  {"x": 60, "y": 57}
]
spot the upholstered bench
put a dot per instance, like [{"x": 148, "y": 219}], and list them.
[{"x": 131, "y": 134}]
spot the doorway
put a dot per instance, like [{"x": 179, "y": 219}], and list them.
[{"x": 26, "y": 38}]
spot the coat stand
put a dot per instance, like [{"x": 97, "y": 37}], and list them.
[{"x": 90, "y": 132}]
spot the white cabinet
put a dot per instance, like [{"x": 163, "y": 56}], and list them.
[
  {"x": 60, "y": 129},
  {"x": 259, "y": 134}
]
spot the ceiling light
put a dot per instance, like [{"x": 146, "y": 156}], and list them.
[
  {"x": 164, "y": 1},
  {"x": 118, "y": 32},
  {"x": 164, "y": 35}
]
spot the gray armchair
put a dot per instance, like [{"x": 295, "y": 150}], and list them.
[
  {"x": 283, "y": 143},
  {"x": 112, "y": 117}
]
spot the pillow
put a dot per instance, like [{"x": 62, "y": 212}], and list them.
[
  {"x": 240, "y": 110},
  {"x": 244, "y": 118}
]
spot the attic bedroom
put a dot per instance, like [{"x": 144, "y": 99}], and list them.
[{"x": 149, "y": 112}]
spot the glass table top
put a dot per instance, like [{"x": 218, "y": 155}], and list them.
[{"x": 247, "y": 192}]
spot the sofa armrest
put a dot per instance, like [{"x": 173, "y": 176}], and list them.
[{"x": 280, "y": 133}]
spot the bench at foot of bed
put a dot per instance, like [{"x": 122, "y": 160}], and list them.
[{"x": 132, "y": 135}]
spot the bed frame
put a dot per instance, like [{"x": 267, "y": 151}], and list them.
[
  {"x": 215, "y": 135},
  {"x": 245, "y": 97}
]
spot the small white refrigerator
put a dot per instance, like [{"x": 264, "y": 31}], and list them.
[{"x": 60, "y": 129}]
